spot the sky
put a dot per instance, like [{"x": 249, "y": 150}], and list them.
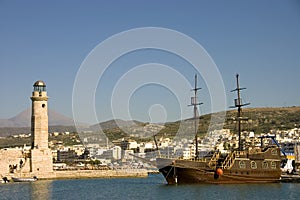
[{"x": 54, "y": 40}]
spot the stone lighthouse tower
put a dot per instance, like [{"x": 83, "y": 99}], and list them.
[{"x": 41, "y": 156}]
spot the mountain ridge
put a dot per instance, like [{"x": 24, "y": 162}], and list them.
[
  {"x": 261, "y": 120},
  {"x": 23, "y": 119}
]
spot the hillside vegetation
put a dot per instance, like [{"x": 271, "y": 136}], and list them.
[{"x": 260, "y": 120}]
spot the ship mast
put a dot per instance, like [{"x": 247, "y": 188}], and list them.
[
  {"x": 238, "y": 104},
  {"x": 195, "y": 104}
]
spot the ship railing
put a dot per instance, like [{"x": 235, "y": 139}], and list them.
[
  {"x": 169, "y": 156},
  {"x": 199, "y": 159},
  {"x": 194, "y": 159},
  {"x": 182, "y": 158},
  {"x": 241, "y": 153}
]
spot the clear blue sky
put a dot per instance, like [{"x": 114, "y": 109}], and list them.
[{"x": 49, "y": 40}]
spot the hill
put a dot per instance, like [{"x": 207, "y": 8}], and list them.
[
  {"x": 23, "y": 119},
  {"x": 260, "y": 120},
  {"x": 9, "y": 131},
  {"x": 20, "y": 124},
  {"x": 114, "y": 123}
]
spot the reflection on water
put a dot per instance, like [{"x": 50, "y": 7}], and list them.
[
  {"x": 29, "y": 190},
  {"x": 153, "y": 187},
  {"x": 41, "y": 190}
]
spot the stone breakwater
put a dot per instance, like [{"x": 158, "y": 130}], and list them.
[
  {"x": 78, "y": 174},
  {"x": 101, "y": 173}
]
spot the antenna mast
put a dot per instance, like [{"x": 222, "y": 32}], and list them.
[
  {"x": 195, "y": 104},
  {"x": 238, "y": 104}
]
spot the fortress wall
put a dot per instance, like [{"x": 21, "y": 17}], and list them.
[
  {"x": 10, "y": 157},
  {"x": 101, "y": 174},
  {"x": 78, "y": 174},
  {"x": 41, "y": 160}
]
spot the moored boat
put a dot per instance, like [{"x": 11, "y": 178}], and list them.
[
  {"x": 15, "y": 179},
  {"x": 250, "y": 165}
]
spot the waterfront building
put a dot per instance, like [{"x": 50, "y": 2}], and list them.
[
  {"x": 117, "y": 153},
  {"x": 66, "y": 155}
]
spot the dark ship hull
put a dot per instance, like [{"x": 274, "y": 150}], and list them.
[{"x": 260, "y": 167}]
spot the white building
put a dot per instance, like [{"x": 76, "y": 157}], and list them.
[{"x": 117, "y": 153}]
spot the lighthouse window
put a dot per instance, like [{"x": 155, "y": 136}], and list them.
[
  {"x": 273, "y": 165},
  {"x": 253, "y": 165},
  {"x": 39, "y": 88},
  {"x": 264, "y": 165},
  {"x": 242, "y": 164},
  {"x": 43, "y": 105}
]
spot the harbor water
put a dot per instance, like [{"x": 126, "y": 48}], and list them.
[{"x": 153, "y": 187}]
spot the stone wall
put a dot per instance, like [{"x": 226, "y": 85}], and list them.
[
  {"x": 100, "y": 174},
  {"x": 41, "y": 160},
  {"x": 78, "y": 174},
  {"x": 13, "y": 161}
]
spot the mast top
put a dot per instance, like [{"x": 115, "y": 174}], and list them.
[
  {"x": 238, "y": 101},
  {"x": 194, "y": 99},
  {"x": 196, "y": 88}
]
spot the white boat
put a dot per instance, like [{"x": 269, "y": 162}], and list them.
[{"x": 24, "y": 179}]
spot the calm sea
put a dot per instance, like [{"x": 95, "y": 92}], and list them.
[{"x": 153, "y": 187}]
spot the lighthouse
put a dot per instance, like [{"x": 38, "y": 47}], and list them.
[
  {"x": 39, "y": 116},
  {"x": 41, "y": 156}
]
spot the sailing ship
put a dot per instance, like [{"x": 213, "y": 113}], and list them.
[{"x": 250, "y": 165}]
